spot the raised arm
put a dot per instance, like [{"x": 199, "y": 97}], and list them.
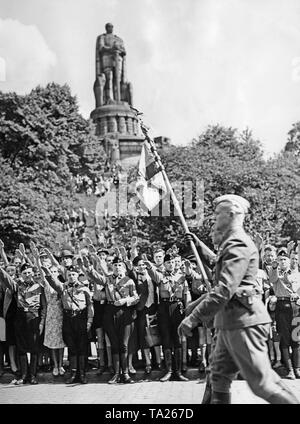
[
  {"x": 155, "y": 276},
  {"x": 7, "y": 281},
  {"x": 3, "y": 254}
]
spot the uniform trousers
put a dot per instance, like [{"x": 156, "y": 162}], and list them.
[
  {"x": 169, "y": 316},
  {"x": 75, "y": 332},
  {"x": 27, "y": 332},
  {"x": 244, "y": 350}
]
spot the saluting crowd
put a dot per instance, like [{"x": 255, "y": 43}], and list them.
[{"x": 130, "y": 306}]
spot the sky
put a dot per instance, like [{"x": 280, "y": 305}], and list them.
[{"x": 192, "y": 63}]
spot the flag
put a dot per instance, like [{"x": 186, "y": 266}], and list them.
[{"x": 150, "y": 186}]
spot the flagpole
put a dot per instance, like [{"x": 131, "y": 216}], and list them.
[{"x": 176, "y": 204}]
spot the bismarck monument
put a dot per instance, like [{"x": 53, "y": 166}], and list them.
[{"x": 116, "y": 123}]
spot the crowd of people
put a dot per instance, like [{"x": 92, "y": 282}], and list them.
[{"x": 130, "y": 306}]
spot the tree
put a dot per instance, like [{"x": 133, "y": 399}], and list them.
[{"x": 42, "y": 135}]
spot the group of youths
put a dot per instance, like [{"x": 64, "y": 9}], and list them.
[{"x": 66, "y": 299}]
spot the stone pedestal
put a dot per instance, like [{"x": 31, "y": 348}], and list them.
[{"x": 119, "y": 119}]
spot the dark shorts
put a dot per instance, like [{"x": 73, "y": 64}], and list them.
[
  {"x": 75, "y": 333},
  {"x": 98, "y": 314},
  {"x": 27, "y": 332},
  {"x": 284, "y": 320}
]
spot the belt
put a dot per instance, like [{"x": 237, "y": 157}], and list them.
[
  {"x": 170, "y": 301},
  {"x": 28, "y": 310},
  {"x": 72, "y": 313},
  {"x": 283, "y": 298},
  {"x": 101, "y": 302}
]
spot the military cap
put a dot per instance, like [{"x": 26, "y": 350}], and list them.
[
  {"x": 136, "y": 260},
  {"x": 282, "y": 251},
  {"x": 102, "y": 250},
  {"x": 72, "y": 268},
  {"x": 168, "y": 257},
  {"x": 117, "y": 260},
  {"x": 26, "y": 265},
  {"x": 66, "y": 254},
  {"x": 269, "y": 247},
  {"x": 240, "y": 204}
]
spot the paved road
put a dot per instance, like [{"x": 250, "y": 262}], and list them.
[{"x": 151, "y": 392}]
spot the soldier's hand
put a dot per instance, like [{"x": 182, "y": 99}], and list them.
[
  {"x": 85, "y": 261},
  {"x": 22, "y": 249},
  {"x": 145, "y": 258},
  {"x": 134, "y": 242},
  {"x": 32, "y": 245},
  {"x": 184, "y": 330},
  {"x": 187, "y": 263},
  {"x": 258, "y": 240},
  {"x": 129, "y": 264},
  {"x": 123, "y": 253},
  {"x": 18, "y": 253},
  {"x": 41, "y": 328},
  {"x": 190, "y": 237},
  {"x": 148, "y": 264},
  {"x": 88, "y": 326},
  {"x": 290, "y": 246}
]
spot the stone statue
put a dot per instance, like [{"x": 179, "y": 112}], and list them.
[{"x": 110, "y": 85}]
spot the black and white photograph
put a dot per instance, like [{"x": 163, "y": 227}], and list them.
[{"x": 149, "y": 205}]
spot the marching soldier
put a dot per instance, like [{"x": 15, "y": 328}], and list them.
[{"x": 241, "y": 318}]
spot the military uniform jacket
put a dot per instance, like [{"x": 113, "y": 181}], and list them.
[{"x": 235, "y": 273}]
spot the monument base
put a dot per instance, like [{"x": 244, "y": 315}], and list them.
[{"x": 119, "y": 120}]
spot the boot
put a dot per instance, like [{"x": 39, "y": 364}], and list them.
[
  {"x": 33, "y": 368},
  {"x": 82, "y": 376},
  {"x": 116, "y": 377},
  {"x": 178, "y": 361},
  {"x": 296, "y": 361},
  {"x": 207, "y": 393},
  {"x": 23, "y": 369},
  {"x": 126, "y": 377},
  {"x": 101, "y": 362},
  {"x": 219, "y": 398},
  {"x": 73, "y": 370},
  {"x": 288, "y": 363},
  {"x": 284, "y": 397},
  {"x": 168, "y": 363}
]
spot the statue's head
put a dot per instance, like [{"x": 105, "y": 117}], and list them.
[{"x": 109, "y": 28}]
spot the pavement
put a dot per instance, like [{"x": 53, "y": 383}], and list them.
[{"x": 53, "y": 390}]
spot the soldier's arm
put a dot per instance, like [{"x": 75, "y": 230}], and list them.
[
  {"x": 3, "y": 254},
  {"x": 155, "y": 276},
  {"x": 43, "y": 308},
  {"x": 6, "y": 280},
  {"x": 90, "y": 307},
  {"x": 235, "y": 263},
  {"x": 53, "y": 282},
  {"x": 134, "y": 298}
]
